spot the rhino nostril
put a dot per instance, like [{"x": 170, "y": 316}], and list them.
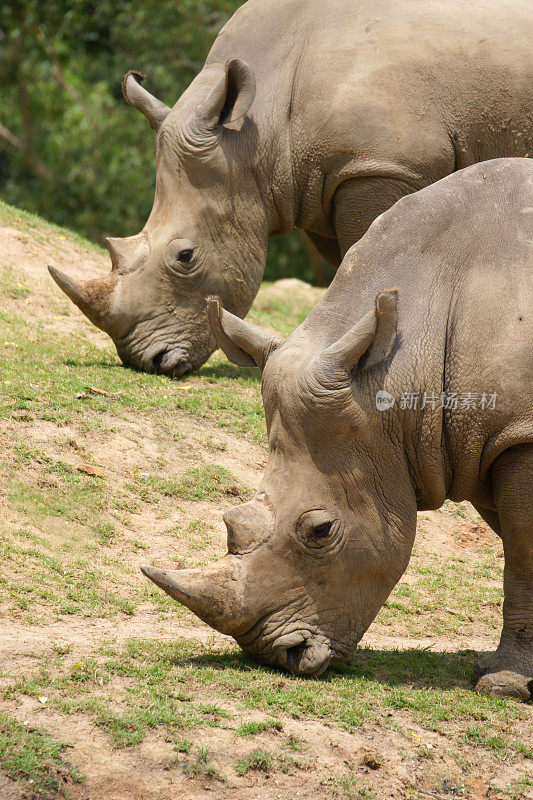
[
  {"x": 294, "y": 655},
  {"x": 232, "y": 538},
  {"x": 181, "y": 368},
  {"x": 156, "y": 361}
]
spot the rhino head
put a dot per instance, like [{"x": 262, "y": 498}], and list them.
[
  {"x": 206, "y": 234},
  {"x": 312, "y": 558}
]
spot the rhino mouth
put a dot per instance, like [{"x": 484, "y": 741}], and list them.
[
  {"x": 300, "y": 652},
  {"x": 174, "y": 362},
  {"x": 161, "y": 359},
  {"x": 311, "y": 656}
]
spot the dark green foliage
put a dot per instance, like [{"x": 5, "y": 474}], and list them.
[{"x": 71, "y": 149}]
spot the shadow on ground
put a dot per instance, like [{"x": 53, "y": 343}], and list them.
[
  {"x": 415, "y": 668},
  {"x": 230, "y": 371}
]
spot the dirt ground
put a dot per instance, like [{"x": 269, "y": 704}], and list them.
[{"x": 447, "y": 605}]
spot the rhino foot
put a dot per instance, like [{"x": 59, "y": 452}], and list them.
[
  {"x": 505, "y": 673},
  {"x": 506, "y": 684}
]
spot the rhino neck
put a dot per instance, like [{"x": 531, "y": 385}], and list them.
[
  {"x": 416, "y": 379},
  {"x": 267, "y": 44},
  {"x": 270, "y": 163}
]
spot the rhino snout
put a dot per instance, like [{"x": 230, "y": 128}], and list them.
[
  {"x": 160, "y": 358},
  {"x": 175, "y": 362},
  {"x": 303, "y": 654}
]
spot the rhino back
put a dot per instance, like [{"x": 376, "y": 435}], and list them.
[
  {"x": 490, "y": 330},
  {"x": 460, "y": 253},
  {"x": 428, "y": 86}
]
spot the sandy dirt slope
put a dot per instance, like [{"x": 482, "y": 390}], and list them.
[{"x": 396, "y": 754}]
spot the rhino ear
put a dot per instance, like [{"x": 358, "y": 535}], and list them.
[
  {"x": 230, "y": 98},
  {"x": 244, "y": 344},
  {"x": 370, "y": 341},
  {"x": 153, "y": 109}
]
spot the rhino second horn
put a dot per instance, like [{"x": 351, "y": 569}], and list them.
[
  {"x": 128, "y": 252},
  {"x": 92, "y": 297},
  {"x": 153, "y": 109},
  {"x": 209, "y": 592}
]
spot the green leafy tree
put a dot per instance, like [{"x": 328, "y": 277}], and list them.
[{"x": 71, "y": 149}]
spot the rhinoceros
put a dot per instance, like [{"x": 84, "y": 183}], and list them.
[
  {"x": 309, "y": 114},
  {"x": 410, "y": 382}
]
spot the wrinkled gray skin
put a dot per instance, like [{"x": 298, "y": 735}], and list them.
[
  {"x": 309, "y": 114},
  {"x": 315, "y": 554}
]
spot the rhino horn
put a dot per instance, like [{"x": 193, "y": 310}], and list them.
[
  {"x": 126, "y": 253},
  {"x": 93, "y": 297},
  {"x": 212, "y": 592},
  {"x": 244, "y": 344},
  {"x": 153, "y": 109}
]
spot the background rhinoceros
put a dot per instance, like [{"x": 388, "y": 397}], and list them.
[
  {"x": 308, "y": 114},
  {"x": 314, "y": 556}
]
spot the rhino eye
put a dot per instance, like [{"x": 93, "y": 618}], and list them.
[
  {"x": 185, "y": 256},
  {"x": 320, "y": 531}
]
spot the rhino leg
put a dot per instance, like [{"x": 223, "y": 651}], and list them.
[
  {"x": 359, "y": 201},
  {"x": 328, "y": 249},
  {"x": 491, "y": 518},
  {"x": 508, "y": 671}
]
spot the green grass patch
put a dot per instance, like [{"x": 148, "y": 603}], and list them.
[
  {"x": 252, "y": 728},
  {"x": 11, "y": 285},
  {"x": 258, "y": 760},
  {"x": 61, "y": 580},
  {"x": 443, "y": 595},
  {"x": 207, "y": 482},
  {"x": 41, "y": 229},
  {"x": 201, "y": 766},
  {"x": 164, "y": 683},
  {"x": 183, "y": 746},
  {"x": 46, "y": 375},
  {"x": 34, "y": 755},
  {"x": 500, "y": 743}
]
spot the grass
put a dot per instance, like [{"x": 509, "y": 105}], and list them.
[
  {"x": 11, "y": 286},
  {"x": 183, "y": 746},
  {"x": 32, "y": 754},
  {"x": 349, "y": 786},
  {"x": 64, "y": 585},
  {"x": 443, "y": 590},
  {"x": 207, "y": 482},
  {"x": 201, "y": 766},
  {"x": 60, "y": 521},
  {"x": 163, "y": 684},
  {"x": 253, "y": 727},
  {"x": 258, "y": 760},
  {"x": 52, "y": 502},
  {"x": 38, "y": 365},
  {"x": 40, "y": 229},
  {"x": 498, "y": 743}
]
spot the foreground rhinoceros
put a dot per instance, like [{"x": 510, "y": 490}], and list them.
[
  {"x": 309, "y": 114},
  {"x": 314, "y": 556}
]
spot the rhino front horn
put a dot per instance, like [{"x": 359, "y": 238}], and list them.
[
  {"x": 93, "y": 297},
  {"x": 212, "y": 593}
]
